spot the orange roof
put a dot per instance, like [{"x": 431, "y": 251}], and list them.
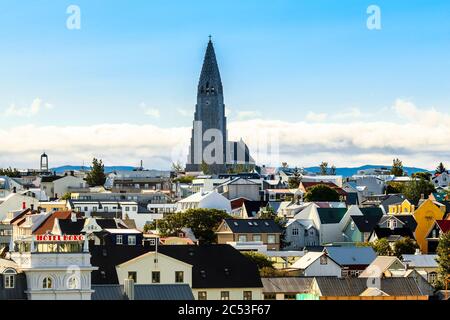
[{"x": 47, "y": 225}]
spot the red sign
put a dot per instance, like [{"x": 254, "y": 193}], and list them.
[{"x": 49, "y": 237}]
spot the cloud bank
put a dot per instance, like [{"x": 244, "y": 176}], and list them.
[{"x": 419, "y": 137}]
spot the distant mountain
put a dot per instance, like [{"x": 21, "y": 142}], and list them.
[
  {"x": 347, "y": 172},
  {"x": 81, "y": 168}
]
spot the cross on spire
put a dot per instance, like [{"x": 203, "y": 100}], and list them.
[{"x": 210, "y": 36}]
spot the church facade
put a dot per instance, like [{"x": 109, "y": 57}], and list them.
[{"x": 209, "y": 141}]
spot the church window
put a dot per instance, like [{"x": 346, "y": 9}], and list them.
[{"x": 47, "y": 283}]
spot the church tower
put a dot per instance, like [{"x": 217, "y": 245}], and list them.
[{"x": 209, "y": 114}]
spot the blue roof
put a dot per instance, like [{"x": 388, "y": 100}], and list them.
[
  {"x": 351, "y": 255},
  {"x": 4, "y": 183}
]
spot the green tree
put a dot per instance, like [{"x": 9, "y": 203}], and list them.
[
  {"x": 332, "y": 171},
  {"x": 323, "y": 168},
  {"x": 440, "y": 168},
  {"x": 261, "y": 260},
  {"x": 203, "y": 223},
  {"x": 204, "y": 167},
  {"x": 184, "y": 179},
  {"x": 295, "y": 180},
  {"x": 9, "y": 172},
  {"x": 96, "y": 177},
  {"x": 405, "y": 246},
  {"x": 382, "y": 247},
  {"x": 284, "y": 165},
  {"x": 397, "y": 168},
  {"x": 321, "y": 192},
  {"x": 416, "y": 188},
  {"x": 177, "y": 166},
  {"x": 394, "y": 187},
  {"x": 422, "y": 175},
  {"x": 66, "y": 196},
  {"x": 443, "y": 259}
]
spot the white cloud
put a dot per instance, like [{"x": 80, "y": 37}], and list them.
[
  {"x": 149, "y": 111},
  {"x": 185, "y": 112},
  {"x": 246, "y": 115},
  {"x": 418, "y": 140},
  {"x": 316, "y": 117},
  {"x": 37, "y": 105}
]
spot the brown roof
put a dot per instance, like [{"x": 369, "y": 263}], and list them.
[{"x": 47, "y": 225}]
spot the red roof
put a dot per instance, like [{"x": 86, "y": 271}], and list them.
[
  {"x": 47, "y": 225},
  {"x": 237, "y": 203},
  {"x": 444, "y": 225}
]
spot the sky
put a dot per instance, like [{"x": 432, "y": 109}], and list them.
[{"x": 309, "y": 75}]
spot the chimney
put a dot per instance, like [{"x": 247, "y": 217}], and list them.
[
  {"x": 14, "y": 190},
  {"x": 128, "y": 288},
  {"x": 417, "y": 253},
  {"x": 73, "y": 217},
  {"x": 24, "y": 205},
  {"x": 32, "y": 207}
]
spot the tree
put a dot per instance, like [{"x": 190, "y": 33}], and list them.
[
  {"x": 394, "y": 188},
  {"x": 382, "y": 247},
  {"x": 261, "y": 260},
  {"x": 323, "y": 168},
  {"x": 9, "y": 172},
  {"x": 184, "y": 179},
  {"x": 295, "y": 180},
  {"x": 284, "y": 165},
  {"x": 321, "y": 192},
  {"x": 204, "y": 167},
  {"x": 440, "y": 168},
  {"x": 405, "y": 246},
  {"x": 415, "y": 189},
  {"x": 422, "y": 175},
  {"x": 96, "y": 177},
  {"x": 397, "y": 168},
  {"x": 443, "y": 259},
  {"x": 66, "y": 196},
  {"x": 203, "y": 222},
  {"x": 177, "y": 166},
  {"x": 332, "y": 171}
]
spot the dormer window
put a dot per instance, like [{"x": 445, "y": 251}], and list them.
[{"x": 9, "y": 277}]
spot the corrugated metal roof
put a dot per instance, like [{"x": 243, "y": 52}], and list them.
[
  {"x": 352, "y": 255},
  {"x": 144, "y": 292},
  {"x": 421, "y": 260},
  {"x": 287, "y": 285}
]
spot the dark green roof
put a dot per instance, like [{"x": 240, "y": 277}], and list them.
[
  {"x": 372, "y": 211},
  {"x": 331, "y": 215}
]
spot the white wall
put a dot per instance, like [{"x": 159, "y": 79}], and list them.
[
  {"x": 331, "y": 269},
  {"x": 14, "y": 203}
]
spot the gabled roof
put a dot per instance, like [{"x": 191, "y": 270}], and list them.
[
  {"x": 331, "y": 215},
  {"x": 395, "y": 234},
  {"x": 372, "y": 211},
  {"x": 253, "y": 226},
  {"x": 287, "y": 284},
  {"x": 392, "y": 199},
  {"x": 308, "y": 259},
  {"x": 346, "y": 256},
  {"x": 420, "y": 260},
  {"x": 47, "y": 225},
  {"x": 366, "y": 223},
  {"x": 69, "y": 227},
  {"x": 444, "y": 225},
  {"x": 50, "y": 178},
  {"x": 408, "y": 220},
  {"x": 352, "y": 287},
  {"x": 381, "y": 263},
  {"x": 254, "y": 206},
  {"x": 143, "y": 292}
]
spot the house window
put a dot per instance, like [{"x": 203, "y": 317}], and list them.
[
  {"x": 270, "y": 296},
  {"x": 86, "y": 209},
  {"x": 119, "y": 239},
  {"x": 134, "y": 208},
  {"x": 131, "y": 240},
  {"x": 94, "y": 209},
  {"x": 256, "y": 237},
  {"x": 352, "y": 226},
  {"x": 47, "y": 283},
  {"x": 392, "y": 224},
  {"x": 290, "y": 297},
  {"x": 179, "y": 276},
  {"x": 156, "y": 277},
  {"x": 127, "y": 208},
  {"x": 271, "y": 238},
  {"x": 202, "y": 295},
  {"x": 10, "y": 277},
  {"x": 105, "y": 209},
  {"x": 295, "y": 232},
  {"x": 247, "y": 295},
  {"x": 432, "y": 276},
  {"x": 323, "y": 260},
  {"x": 132, "y": 275},
  {"x": 242, "y": 238},
  {"x": 225, "y": 295}
]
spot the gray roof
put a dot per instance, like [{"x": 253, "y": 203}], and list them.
[
  {"x": 351, "y": 255},
  {"x": 355, "y": 286},
  {"x": 420, "y": 260},
  {"x": 287, "y": 285},
  {"x": 144, "y": 292}
]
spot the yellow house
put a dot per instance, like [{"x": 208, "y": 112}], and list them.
[
  {"x": 405, "y": 207},
  {"x": 50, "y": 206},
  {"x": 426, "y": 215}
]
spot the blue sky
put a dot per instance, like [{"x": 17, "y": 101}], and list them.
[{"x": 138, "y": 62}]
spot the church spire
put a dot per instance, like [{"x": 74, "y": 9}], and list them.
[{"x": 210, "y": 82}]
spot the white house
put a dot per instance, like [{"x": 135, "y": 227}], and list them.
[
  {"x": 57, "y": 186},
  {"x": 14, "y": 202},
  {"x": 240, "y": 188},
  {"x": 441, "y": 180},
  {"x": 317, "y": 264},
  {"x": 206, "y": 200}
]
